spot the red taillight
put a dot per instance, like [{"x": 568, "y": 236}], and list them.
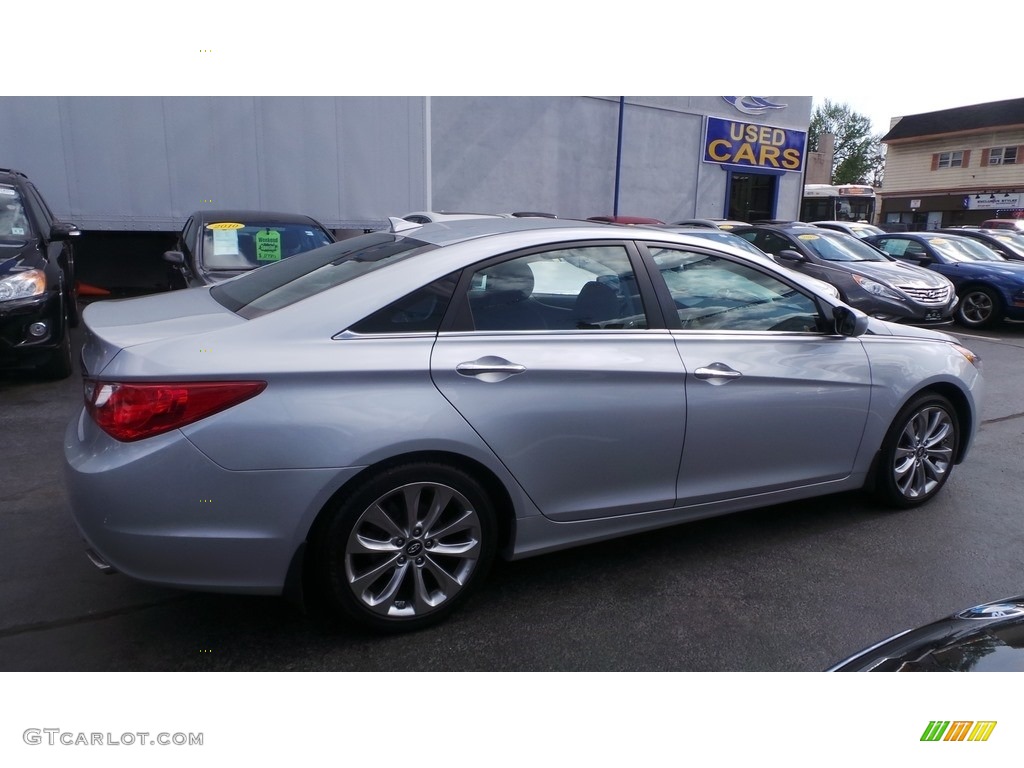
[{"x": 130, "y": 412}]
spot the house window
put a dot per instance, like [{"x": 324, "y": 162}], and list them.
[
  {"x": 1002, "y": 156},
  {"x": 951, "y": 159}
]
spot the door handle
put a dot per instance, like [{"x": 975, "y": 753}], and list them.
[
  {"x": 489, "y": 369},
  {"x": 717, "y": 373}
]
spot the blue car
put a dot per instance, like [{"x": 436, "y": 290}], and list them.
[{"x": 991, "y": 288}]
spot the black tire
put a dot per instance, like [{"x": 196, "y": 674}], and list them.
[
  {"x": 392, "y": 571},
  {"x": 71, "y": 294},
  {"x": 918, "y": 452},
  {"x": 58, "y": 365},
  {"x": 979, "y": 307},
  {"x": 71, "y": 301}
]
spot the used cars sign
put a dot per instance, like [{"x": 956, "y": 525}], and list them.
[{"x": 730, "y": 142}]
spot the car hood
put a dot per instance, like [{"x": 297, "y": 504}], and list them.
[
  {"x": 986, "y": 638},
  {"x": 896, "y": 273},
  {"x": 1013, "y": 270},
  {"x": 885, "y": 328},
  {"x": 112, "y": 326},
  {"x": 18, "y": 255}
]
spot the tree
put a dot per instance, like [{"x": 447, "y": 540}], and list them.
[{"x": 859, "y": 155}]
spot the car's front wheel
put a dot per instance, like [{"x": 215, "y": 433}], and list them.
[
  {"x": 406, "y": 548},
  {"x": 979, "y": 307},
  {"x": 918, "y": 452}
]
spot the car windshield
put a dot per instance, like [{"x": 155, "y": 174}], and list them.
[
  {"x": 234, "y": 246},
  {"x": 14, "y": 224},
  {"x": 835, "y": 246},
  {"x": 1009, "y": 240},
  {"x": 286, "y": 282},
  {"x": 963, "y": 249},
  {"x": 728, "y": 238}
]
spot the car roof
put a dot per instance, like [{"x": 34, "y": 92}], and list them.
[
  {"x": 789, "y": 227},
  {"x": 459, "y": 230},
  {"x": 634, "y": 220},
  {"x": 228, "y": 214}
]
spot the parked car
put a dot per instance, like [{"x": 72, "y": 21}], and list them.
[
  {"x": 1014, "y": 224},
  {"x": 984, "y": 638},
  {"x": 218, "y": 244},
  {"x": 855, "y": 228},
  {"x": 864, "y": 276},
  {"x": 991, "y": 288},
  {"x": 726, "y": 224},
  {"x": 1006, "y": 243},
  {"x": 725, "y": 237},
  {"x": 38, "y": 293},
  {"x": 378, "y": 419}
]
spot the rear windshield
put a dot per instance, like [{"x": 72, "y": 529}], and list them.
[{"x": 306, "y": 274}]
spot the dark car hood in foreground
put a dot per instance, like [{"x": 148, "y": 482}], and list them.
[{"x": 985, "y": 638}]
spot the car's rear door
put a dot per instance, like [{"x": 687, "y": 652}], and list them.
[{"x": 569, "y": 379}]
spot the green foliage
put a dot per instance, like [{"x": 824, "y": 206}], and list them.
[{"x": 859, "y": 155}]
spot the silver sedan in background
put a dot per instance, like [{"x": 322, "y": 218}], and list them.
[{"x": 376, "y": 420}]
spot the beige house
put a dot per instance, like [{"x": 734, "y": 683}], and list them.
[{"x": 955, "y": 166}]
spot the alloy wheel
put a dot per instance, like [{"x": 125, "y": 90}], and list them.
[
  {"x": 924, "y": 452},
  {"x": 413, "y": 550}
]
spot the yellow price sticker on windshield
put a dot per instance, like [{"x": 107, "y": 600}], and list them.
[
  {"x": 808, "y": 237},
  {"x": 225, "y": 225},
  {"x": 268, "y": 245}
]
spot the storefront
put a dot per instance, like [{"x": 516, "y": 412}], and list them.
[
  {"x": 922, "y": 212},
  {"x": 755, "y": 159}
]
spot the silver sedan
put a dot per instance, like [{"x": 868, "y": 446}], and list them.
[{"x": 376, "y": 420}]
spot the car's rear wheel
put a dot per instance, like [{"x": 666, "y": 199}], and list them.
[
  {"x": 979, "y": 307},
  {"x": 918, "y": 452},
  {"x": 406, "y": 548}
]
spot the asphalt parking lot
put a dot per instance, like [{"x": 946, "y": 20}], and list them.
[{"x": 788, "y": 588}]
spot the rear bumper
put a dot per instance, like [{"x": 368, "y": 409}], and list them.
[{"x": 161, "y": 512}]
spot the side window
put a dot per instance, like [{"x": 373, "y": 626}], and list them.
[
  {"x": 419, "y": 312},
  {"x": 900, "y": 248},
  {"x": 775, "y": 244},
  {"x": 582, "y": 288},
  {"x": 714, "y": 293},
  {"x": 36, "y": 200}
]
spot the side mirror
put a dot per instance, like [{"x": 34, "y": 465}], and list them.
[
  {"x": 789, "y": 255},
  {"x": 849, "y": 321},
  {"x": 177, "y": 258},
  {"x": 923, "y": 260},
  {"x": 60, "y": 230}
]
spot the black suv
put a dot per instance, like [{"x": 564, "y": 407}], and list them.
[{"x": 38, "y": 298}]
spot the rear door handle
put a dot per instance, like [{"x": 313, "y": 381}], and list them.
[{"x": 489, "y": 369}]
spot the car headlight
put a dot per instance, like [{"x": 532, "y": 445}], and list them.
[
  {"x": 972, "y": 358},
  {"x": 23, "y": 285},
  {"x": 876, "y": 288}
]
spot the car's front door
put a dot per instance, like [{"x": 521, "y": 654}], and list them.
[
  {"x": 774, "y": 399},
  {"x": 556, "y": 366}
]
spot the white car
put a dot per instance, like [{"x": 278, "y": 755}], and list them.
[{"x": 855, "y": 228}]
